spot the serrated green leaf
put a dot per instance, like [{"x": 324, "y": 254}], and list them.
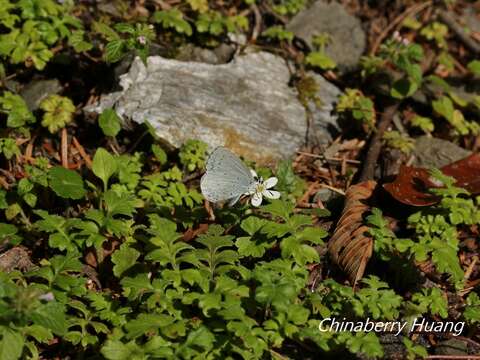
[
  {"x": 124, "y": 258},
  {"x": 66, "y": 183},
  {"x": 115, "y": 50},
  {"x": 58, "y": 112}
]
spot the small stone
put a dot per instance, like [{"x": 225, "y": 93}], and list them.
[
  {"x": 325, "y": 195},
  {"x": 472, "y": 18},
  {"x": 348, "y": 40},
  {"x": 37, "y": 90},
  {"x": 434, "y": 152}
]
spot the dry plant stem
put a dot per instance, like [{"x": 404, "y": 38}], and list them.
[
  {"x": 412, "y": 10},
  {"x": 64, "y": 148},
  {"x": 454, "y": 357},
  {"x": 258, "y": 23},
  {"x": 373, "y": 153},
  {"x": 4, "y": 183},
  {"x": 448, "y": 19},
  {"x": 470, "y": 268},
  {"x": 82, "y": 152}
]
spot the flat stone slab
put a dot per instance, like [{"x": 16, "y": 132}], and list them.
[
  {"x": 430, "y": 151},
  {"x": 245, "y": 105}
]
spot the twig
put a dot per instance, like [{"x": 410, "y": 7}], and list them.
[
  {"x": 448, "y": 19},
  {"x": 82, "y": 152},
  {"x": 258, "y": 23},
  {"x": 318, "y": 156},
  {"x": 29, "y": 151},
  {"x": 341, "y": 192},
  {"x": 409, "y": 12},
  {"x": 269, "y": 9},
  {"x": 473, "y": 342},
  {"x": 469, "y": 270},
  {"x": 454, "y": 357},
  {"x": 135, "y": 144},
  {"x": 375, "y": 147},
  {"x": 64, "y": 148},
  {"x": 4, "y": 183},
  {"x": 306, "y": 194}
]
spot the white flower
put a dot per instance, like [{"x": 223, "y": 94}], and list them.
[
  {"x": 261, "y": 189},
  {"x": 47, "y": 297}
]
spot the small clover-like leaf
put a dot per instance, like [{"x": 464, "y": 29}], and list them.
[{"x": 58, "y": 112}]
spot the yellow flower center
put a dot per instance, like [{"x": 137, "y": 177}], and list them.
[{"x": 260, "y": 188}]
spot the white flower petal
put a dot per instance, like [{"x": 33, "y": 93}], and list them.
[
  {"x": 270, "y": 182},
  {"x": 257, "y": 199},
  {"x": 253, "y": 172},
  {"x": 271, "y": 194}
]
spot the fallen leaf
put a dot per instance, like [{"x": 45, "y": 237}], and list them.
[
  {"x": 351, "y": 246},
  {"x": 411, "y": 184}
]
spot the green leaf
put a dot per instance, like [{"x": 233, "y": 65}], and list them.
[
  {"x": 9, "y": 148},
  {"x": 124, "y": 258},
  {"x": 11, "y": 344},
  {"x": 403, "y": 88},
  {"x": 146, "y": 323},
  {"x": 109, "y": 121},
  {"x": 16, "y": 109},
  {"x": 446, "y": 260},
  {"x": 444, "y": 107},
  {"x": 320, "y": 60},
  {"x": 472, "y": 310},
  {"x": 116, "y": 350},
  {"x": 252, "y": 224},
  {"x": 160, "y": 154},
  {"x": 424, "y": 123},
  {"x": 58, "y": 112},
  {"x": 115, "y": 50},
  {"x": 104, "y": 166},
  {"x": 66, "y": 183},
  {"x": 8, "y": 234},
  {"x": 172, "y": 19},
  {"x": 474, "y": 67},
  {"x": 248, "y": 247},
  {"x": 278, "y": 33},
  {"x": 52, "y": 316},
  {"x": 107, "y": 32},
  {"x": 77, "y": 41}
]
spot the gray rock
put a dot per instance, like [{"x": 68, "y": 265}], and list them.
[
  {"x": 451, "y": 347},
  {"x": 37, "y": 90},
  {"x": 219, "y": 55},
  {"x": 323, "y": 121},
  {"x": 348, "y": 40},
  {"x": 472, "y": 19},
  {"x": 430, "y": 151},
  {"x": 245, "y": 105}
]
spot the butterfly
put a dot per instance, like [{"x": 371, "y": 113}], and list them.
[{"x": 228, "y": 179}]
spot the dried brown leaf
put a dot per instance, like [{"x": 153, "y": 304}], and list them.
[{"x": 351, "y": 247}]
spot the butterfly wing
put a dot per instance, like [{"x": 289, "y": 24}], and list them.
[{"x": 226, "y": 177}]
